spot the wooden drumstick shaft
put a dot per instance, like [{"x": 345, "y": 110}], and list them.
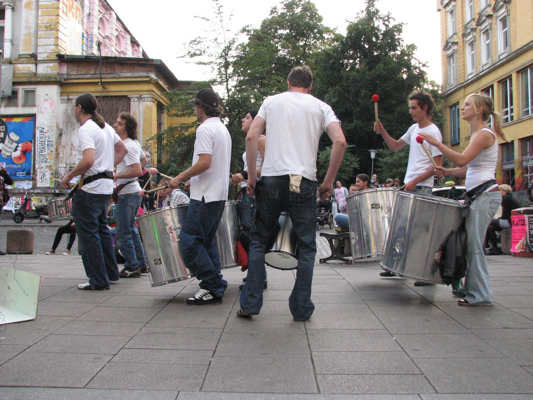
[
  {"x": 376, "y": 110},
  {"x": 429, "y": 154},
  {"x": 156, "y": 189},
  {"x": 165, "y": 176},
  {"x": 147, "y": 182}
]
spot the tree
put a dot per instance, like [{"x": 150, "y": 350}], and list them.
[
  {"x": 349, "y": 164},
  {"x": 371, "y": 58}
]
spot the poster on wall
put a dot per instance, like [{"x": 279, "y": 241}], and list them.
[{"x": 16, "y": 147}]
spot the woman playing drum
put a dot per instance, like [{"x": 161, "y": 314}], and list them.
[{"x": 478, "y": 164}]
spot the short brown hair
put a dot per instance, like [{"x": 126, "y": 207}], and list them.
[
  {"x": 423, "y": 99},
  {"x": 131, "y": 124},
  {"x": 301, "y": 76}
]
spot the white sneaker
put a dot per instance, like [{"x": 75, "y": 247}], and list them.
[
  {"x": 52, "y": 251},
  {"x": 204, "y": 296},
  {"x": 66, "y": 253}
]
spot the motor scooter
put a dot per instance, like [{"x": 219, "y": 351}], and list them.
[{"x": 25, "y": 211}]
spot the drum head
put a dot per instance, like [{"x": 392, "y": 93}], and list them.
[{"x": 281, "y": 260}]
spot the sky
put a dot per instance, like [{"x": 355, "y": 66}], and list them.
[{"x": 164, "y": 27}]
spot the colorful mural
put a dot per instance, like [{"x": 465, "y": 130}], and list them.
[{"x": 16, "y": 149}]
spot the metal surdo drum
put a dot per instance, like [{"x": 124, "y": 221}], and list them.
[
  {"x": 227, "y": 236},
  {"x": 419, "y": 226},
  {"x": 281, "y": 250},
  {"x": 369, "y": 215},
  {"x": 160, "y": 231},
  {"x": 60, "y": 208}
]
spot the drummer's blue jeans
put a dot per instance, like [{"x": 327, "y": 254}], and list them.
[
  {"x": 126, "y": 233},
  {"x": 477, "y": 281},
  {"x": 273, "y": 196},
  {"x": 198, "y": 244},
  {"x": 94, "y": 239}
]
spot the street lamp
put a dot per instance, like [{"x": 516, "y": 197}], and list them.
[{"x": 372, "y": 156}]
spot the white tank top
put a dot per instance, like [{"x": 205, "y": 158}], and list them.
[
  {"x": 258, "y": 164},
  {"x": 482, "y": 168}
]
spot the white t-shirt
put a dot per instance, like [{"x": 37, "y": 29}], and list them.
[
  {"x": 419, "y": 161},
  {"x": 482, "y": 168},
  {"x": 91, "y": 136},
  {"x": 134, "y": 156},
  {"x": 294, "y": 122},
  {"x": 258, "y": 164},
  {"x": 212, "y": 137}
]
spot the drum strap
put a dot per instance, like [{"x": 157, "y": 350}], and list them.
[{"x": 473, "y": 194}]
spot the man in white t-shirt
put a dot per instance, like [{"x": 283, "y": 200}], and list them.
[
  {"x": 295, "y": 121},
  {"x": 128, "y": 203},
  {"x": 98, "y": 150},
  {"x": 209, "y": 183},
  {"x": 419, "y": 175}
]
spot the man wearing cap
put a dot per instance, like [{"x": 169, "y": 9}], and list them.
[
  {"x": 209, "y": 182},
  {"x": 295, "y": 121}
]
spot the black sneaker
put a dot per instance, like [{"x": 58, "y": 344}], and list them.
[
  {"x": 203, "y": 296},
  {"x": 143, "y": 269},
  {"x": 387, "y": 273},
  {"x": 130, "y": 273},
  {"x": 422, "y": 283},
  {"x": 243, "y": 314}
]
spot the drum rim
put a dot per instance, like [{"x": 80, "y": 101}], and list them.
[{"x": 284, "y": 252}]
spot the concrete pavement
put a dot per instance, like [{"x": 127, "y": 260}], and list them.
[{"x": 369, "y": 338}]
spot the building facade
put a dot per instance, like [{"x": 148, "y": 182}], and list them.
[
  {"x": 487, "y": 46},
  {"x": 53, "y": 51}
]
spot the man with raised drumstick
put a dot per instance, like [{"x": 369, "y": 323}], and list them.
[
  {"x": 295, "y": 121},
  {"x": 209, "y": 185},
  {"x": 127, "y": 198},
  {"x": 419, "y": 174}
]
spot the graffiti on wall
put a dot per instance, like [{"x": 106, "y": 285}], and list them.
[
  {"x": 71, "y": 13},
  {"x": 44, "y": 149}
]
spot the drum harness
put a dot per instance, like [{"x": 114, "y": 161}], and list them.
[{"x": 92, "y": 178}]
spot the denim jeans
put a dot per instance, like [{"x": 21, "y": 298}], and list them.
[
  {"x": 273, "y": 196},
  {"x": 342, "y": 220},
  {"x": 423, "y": 190},
  {"x": 198, "y": 244},
  {"x": 477, "y": 280},
  {"x": 126, "y": 233},
  {"x": 94, "y": 244}
]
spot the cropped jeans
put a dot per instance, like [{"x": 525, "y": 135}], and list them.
[
  {"x": 126, "y": 233},
  {"x": 198, "y": 244},
  {"x": 94, "y": 244},
  {"x": 273, "y": 196},
  {"x": 477, "y": 281}
]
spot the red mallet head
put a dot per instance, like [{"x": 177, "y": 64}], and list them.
[
  {"x": 142, "y": 193},
  {"x": 419, "y": 139},
  {"x": 375, "y": 98},
  {"x": 153, "y": 171}
]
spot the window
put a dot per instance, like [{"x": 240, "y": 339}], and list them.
[
  {"x": 526, "y": 91},
  {"x": 507, "y": 155},
  {"x": 489, "y": 91},
  {"x": 451, "y": 21},
  {"x": 454, "y": 124},
  {"x": 28, "y": 98},
  {"x": 2, "y": 19},
  {"x": 471, "y": 57},
  {"x": 484, "y": 3},
  {"x": 503, "y": 34},
  {"x": 452, "y": 69},
  {"x": 469, "y": 9},
  {"x": 13, "y": 100},
  {"x": 506, "y": 88},
  {"x": 485, "y": 46}
]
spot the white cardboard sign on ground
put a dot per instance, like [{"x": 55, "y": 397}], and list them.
[{"x": 19, "y": 295}]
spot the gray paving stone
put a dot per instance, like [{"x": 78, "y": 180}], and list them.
[
  {"x": 269, "y": 374},
  {"x": 120, "y": 314},
  {"x": 80, "y": 344},
  {"x": 515, "y": 301},
  {"x": 262, "y": 345},
  {"x": 343, "y": 316},
  {"x": 30, "y": 332},
  {"x": 486, "y": 317},
  {"x": 364, "y": 363},
  {"x": 446, "y": 345},
  {"x": 7, "y": 393},
  {"x": 136, "y": 376},
  {"x": 477, "y": 396},
  {"x": 127, "y": 329},
  {"x": 48, "y": 291},
  {"x": 55, "y": 308},
  {"x": 74, "y": 295},
  {"x": 299, "y": 396},
  {"x": 141, "y": 356},
  {"x": 51, "y": 369},
  {"x": 129, "y": 301},
  {"x": 373, "y": 384},
  {"x": 176, "y": 339},
  {"x": 352, "y": 340},
  {"x": 476, "y": 375},
  {"x": 8, "y": 351}
]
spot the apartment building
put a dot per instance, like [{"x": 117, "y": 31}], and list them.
[{"x": 487, "y": 46}]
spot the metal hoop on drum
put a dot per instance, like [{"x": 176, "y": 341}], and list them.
[
  {"x": 420, "y": 226},
  {"x": 160, "y": 231},
  {"x": 59, "y": 209},
  {"x": 282, "y": 249},
  {"x": 369, "y": 215}
]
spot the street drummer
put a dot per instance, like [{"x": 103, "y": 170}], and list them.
[
  {"x": 295, "y": 121},
  {"x": 209, "y": 183},
  {"x": 419, "y": 174}
]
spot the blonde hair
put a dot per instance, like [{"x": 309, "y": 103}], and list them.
[
  {"x": 505, "y": 188},
  {"x": 484, "y": 102}
]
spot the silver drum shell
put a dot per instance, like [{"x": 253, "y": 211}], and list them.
[
  {"x": 59, "y": 209},
  {"x": 227, "y": 236},
  {"x": 282, "y": 249},
  {"x": 160, "y": 235},
  {"x": 369, "y": 216},
  {"x": 420, "y": 225}
]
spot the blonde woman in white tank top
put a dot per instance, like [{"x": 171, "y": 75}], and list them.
[{"x": 478, "y": 164}]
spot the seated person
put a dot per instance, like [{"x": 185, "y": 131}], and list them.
[
  {"x": 174, "y": 198},
  {"x": 362, "y": 182},
  {"x": 509, "y": 203},
  {"x": 69, "y": 229}
]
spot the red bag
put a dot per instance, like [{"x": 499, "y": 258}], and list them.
[{"x": 242, "y": 257}]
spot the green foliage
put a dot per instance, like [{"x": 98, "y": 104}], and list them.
[
  {"x": 390, "y": 164},
  {"x": 349, "y": 164}
]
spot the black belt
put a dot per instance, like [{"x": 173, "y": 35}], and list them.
[{"x": 89, "y": 179}]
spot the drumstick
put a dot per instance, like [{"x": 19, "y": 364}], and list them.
[
  {"x": 154, "y": 171},
  {"x": 149, "y": 180},
  {"x": 144, "y": 192},
  {"x": 375, "y": 99},
  {"x": 420, "y": 140}
]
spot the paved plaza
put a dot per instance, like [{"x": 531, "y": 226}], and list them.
[{"x": 369, "y": 338}]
